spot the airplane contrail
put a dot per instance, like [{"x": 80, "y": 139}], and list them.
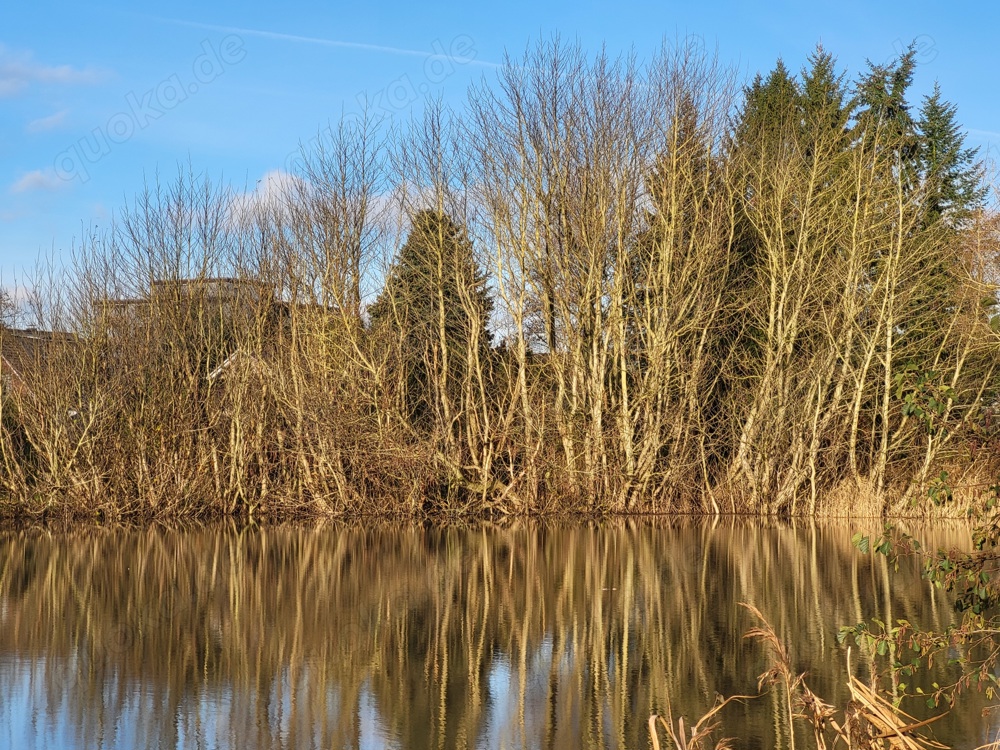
[{"x": 314, "y": 40}]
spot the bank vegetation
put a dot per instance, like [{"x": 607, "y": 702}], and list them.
[{"x": 602, "y": 287}]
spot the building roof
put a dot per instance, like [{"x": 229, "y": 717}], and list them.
[{"x": 23, "y": 350}]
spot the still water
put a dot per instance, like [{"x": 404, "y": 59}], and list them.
[{"x": 526, "y": 636}]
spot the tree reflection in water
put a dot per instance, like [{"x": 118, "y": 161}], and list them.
[{"x": 549, "y": 636}]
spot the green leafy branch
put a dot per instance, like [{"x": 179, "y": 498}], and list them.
[
  {"x": 972, "y": 647},
  {"x": 923, "y": 397}
]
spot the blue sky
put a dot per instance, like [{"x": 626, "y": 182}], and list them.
[{"x": 97, "y": 99}]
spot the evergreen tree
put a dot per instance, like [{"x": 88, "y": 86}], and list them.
[
  {"x": 882, "y": 95},
  {"x": 673, "y": 205},
  {"x": 434, "y": 281},
  {"x": 770, "y": 111},
  {"x": 951, "y": 189},
  {"x": 952, "y": 177},
  {"x": 767, "y": 125},
  {"x": 824, "y": 103},
  {"x": 768, "y": 131},
  {"x": 940, "y": 181},
  {"x": 678, "y": 185},
  {"x": 883, "y": 119}
]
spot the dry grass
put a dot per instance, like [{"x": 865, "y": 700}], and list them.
[{"x": 868, "y": 721}]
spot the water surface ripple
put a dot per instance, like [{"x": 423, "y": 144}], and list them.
[{"x": 526, "y": 636}]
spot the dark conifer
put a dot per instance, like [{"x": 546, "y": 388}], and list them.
[{"x": 435, "y": 276}]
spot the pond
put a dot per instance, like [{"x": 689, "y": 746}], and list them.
[{"x": 532, "y": 635}]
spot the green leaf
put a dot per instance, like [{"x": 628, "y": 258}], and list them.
[{"x": 861, "y": 542}]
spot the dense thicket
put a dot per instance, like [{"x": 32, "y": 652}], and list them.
[{"x": 601, "y": 286}]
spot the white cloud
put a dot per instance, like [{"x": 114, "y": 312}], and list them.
[
  {"x": 19, "y": 70},
  {"x": 39, "y": 179},
  {"x": 271, "y": 193},
  {"x": 51, "y": 122},
  {"x": 278, "y": 189}
]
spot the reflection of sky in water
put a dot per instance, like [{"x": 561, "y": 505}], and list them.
[
  {"x": 572, "y": 648},
  {"x": 497, "y": 731},
  {"x": 35, "y": 714},
  {"x": 544, "y": 667},
  {"x": 373, "y": 734}
]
